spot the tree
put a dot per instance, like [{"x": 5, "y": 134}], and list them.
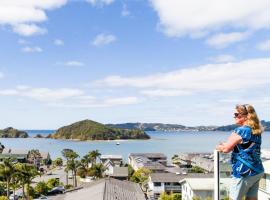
[
  {"x": 72, "y": 163},
  {"x": 94, "y": 155},
  {"x": 27, "y": 173},
  {"x": 34, "y": 157},
  {"x": 130, "y": 171},
  {"x": 141, "y": 175},
  {"x": 65, "y": 153},
  {"x": 58, "y": 162},
  {"x": 6, "y": 171},
  {"x": 196, "y": 169},
  {"x": 97, "y": 170},
  {"x": 41, "y": 188},
  {"x": 53, "y": 182}
]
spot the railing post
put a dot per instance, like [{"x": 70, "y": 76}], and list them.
[{"x": 216, "y": 176}]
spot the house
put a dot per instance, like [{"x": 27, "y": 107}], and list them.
[
  {"x": 206, "y": 162},
  {"x": 116, "y": 160},
  {"x": 108, "y": 189},
  {"x": 159, "y": 183},
  {"x": 17, "y": 154},
  {"x": 120, "y": 173},
  {"x": 162, "y": 182},
  {"x": 264, "y": 185},
  {"x": 156, "y": 162},
  {"x": 203, "y": 188}
]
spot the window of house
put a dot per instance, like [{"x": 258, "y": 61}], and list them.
[{"x": 157, "y": 184}]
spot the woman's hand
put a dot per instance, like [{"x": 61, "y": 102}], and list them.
[{"x": 228, "y": 146}]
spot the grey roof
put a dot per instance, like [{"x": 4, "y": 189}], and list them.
[
  {"x": 149, "y": 155},
  {"x": 120, "y": 172},
  {"x": 15, "y": 151},
  {"x": 112, "y": 157},
  {"x": 108, "y": 189},
  {"x": 154, "y": 166},
  {"x": 122, "y": 190},
  {"x": 173, "y": 178}
]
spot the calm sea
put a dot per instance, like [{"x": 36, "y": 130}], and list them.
[{"x": 169, "y": 143}]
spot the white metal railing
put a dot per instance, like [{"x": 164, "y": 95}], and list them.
[
  {"x": 172, "y": 188},
  {"x": 216, "y": 175}
]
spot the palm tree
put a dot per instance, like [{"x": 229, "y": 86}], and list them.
[
  {"x": 26, "y": 174},
  {"x": 73, "y": 165},
  {"x": 94, "y": 155},
  {"x": 15, "y": 182},
  {"x": 98, "y": 170},
  {"x": 65, "y": 153},
  {"x": 6, "y": 171}
]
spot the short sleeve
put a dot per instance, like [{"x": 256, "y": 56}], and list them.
[{"x": 244, "y": 132}]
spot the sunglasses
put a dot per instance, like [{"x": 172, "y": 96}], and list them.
[{"x": 237, "y": 115}]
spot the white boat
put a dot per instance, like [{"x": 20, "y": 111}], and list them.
[{"x": 117, "y": 143}]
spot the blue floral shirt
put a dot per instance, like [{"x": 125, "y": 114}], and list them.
[{"x": 249, "y": 150}]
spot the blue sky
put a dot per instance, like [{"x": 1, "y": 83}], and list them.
[{"x": 112, "y": 61}]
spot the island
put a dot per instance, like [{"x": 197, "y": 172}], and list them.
[
  {"x": 91, "y": 130},
  {"x": 12, "y": 133}
]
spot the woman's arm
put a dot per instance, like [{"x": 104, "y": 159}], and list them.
[{"x": 228, "y": 146}]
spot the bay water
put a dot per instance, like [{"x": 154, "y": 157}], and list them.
[{"x": 169, "y": 143}]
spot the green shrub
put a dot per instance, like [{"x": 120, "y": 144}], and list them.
[
  {"x": 53, "y": 182},
  {"x": 69, "y": 186},
  {"x": 41, "y": 188},
  {"x": 3, "y": 198}
]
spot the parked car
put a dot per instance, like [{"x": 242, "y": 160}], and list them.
[
  {"x": 42, "y": 198},
  {"x": 57, "y": 190},
  {"x": 11, "y": 197},
  {"x": 17, "y": 196}
]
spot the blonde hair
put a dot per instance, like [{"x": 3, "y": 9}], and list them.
[{"x": 252, "y": 119}]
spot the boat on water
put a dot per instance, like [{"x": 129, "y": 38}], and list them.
[{"x": 117, "y": 143}]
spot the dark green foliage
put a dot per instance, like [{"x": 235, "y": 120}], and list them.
[
  {"x": 90, "y": 130},
  {"x": 53, "y": 182},
  {"x": 41, "y": 188},
  {"x": 12, "y": 133},
  {"x": 196, "y": 169}
]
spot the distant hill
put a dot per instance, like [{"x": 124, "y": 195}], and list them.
[
  {"x": 12, "y": 133},
  {"x": 177, "y": 127},
  {"x": 161, "y": 127},
  {"x": 91, "y": 130}
]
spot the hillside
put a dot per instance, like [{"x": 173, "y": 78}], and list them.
[
  {"x": 91, "y": 130},
  {"x": 178, "y": 127},
  {"x": 161, "y": 127},
  {"x": 12, "y": 133}
]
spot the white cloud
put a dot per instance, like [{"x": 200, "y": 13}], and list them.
[
  {"x": 264, "y": 46},
  {"x": 28, "y": 29},
  {"x": 100, "y": 2},
  {"x": 103, "y": 39},
  {"x": 34, "y": 49},
  {"x": 243, "y": 75},
  {"x": 22, "y": 42},
  {"x": 121, "y": 101},
  {"x": 22, "y": 15},
  {"x": 164, "y": 93},
  {"x": 224, "y": 58},
  {"x": 185, "y": 17},
  {"x": 58, "y": 42},
  {"x": 74, "y": 63},
  {"x": 125, "y": 12},
  {"x": 223, "y": 40},
  {"x": 67, "y": 97}
]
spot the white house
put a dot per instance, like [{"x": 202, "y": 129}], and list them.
[
  {"x": 203, "y": 188},
  {"x": 169, "y": 182},
  {"x": 264, "y": 188},
  {"x": 163, "y": 182}
]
